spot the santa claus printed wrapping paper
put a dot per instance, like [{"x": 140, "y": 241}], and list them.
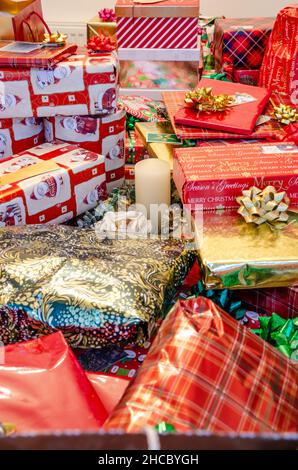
[
  {"x": 51, "y": 183},
  {"x": 17, "y": 135},
  {"x": 105, "y": 136},
  {"x": 79, "y": 85},
  {"x": 222, "y": 379}
]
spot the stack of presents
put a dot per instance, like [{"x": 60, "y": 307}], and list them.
[{"x": 153, "y": 331}]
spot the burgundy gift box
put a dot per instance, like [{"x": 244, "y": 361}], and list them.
[
  {"x": 17, "y": 135},
  {"x": 79, "y": 85},
  {"x": 105, "y": 136}
]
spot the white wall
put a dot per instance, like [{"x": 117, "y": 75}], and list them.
[{"x": 81, "y": 10}]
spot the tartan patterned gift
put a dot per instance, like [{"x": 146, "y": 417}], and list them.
[
  {"x": 207, "y": 372},
  {"x": 241, "y": 42}
]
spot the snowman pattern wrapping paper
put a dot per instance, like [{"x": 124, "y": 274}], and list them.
[
  {"x": 17, "y": 135},
  {"x": 79, "y": 85},
  {"x": 75, "y": 185},
  {"x": 105, "y": 135}
]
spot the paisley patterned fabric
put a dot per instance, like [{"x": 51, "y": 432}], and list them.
[{"x": 97, "y": 293}]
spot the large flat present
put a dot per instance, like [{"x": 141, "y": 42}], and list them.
[
  {"x": 51, "y": 183},
  {"x": 98, "y": 292},
  {"x": 270, "y": 129},
  {"x": 103, "y": 135},
  {"x": 26, "y": 55},
  {"x": 79, "y": 85},
  {"x": 167, "y": 24},
  {"x": 237, "y": 255},
  {"x": 21, "y": 20},
  {"x": 241, "y": 42},
  {"x": 213, "y": 177},
  {"x": 239, "y": 118},
  {"x": 223, "y": 379},
  {"x": 17, "y": 135}
]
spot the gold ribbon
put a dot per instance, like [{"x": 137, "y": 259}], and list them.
[
  {"x": 203, "y": 99},
  {"x": 7, "y": 428},
  {"x": 55, "y": 38},
  {"x": 283, "y": 113},
  {"x": 267, "y": 206}
]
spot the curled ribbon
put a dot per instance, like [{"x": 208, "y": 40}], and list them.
[
  {"x": 203, "y": 99},
  {"x": 58, "y": 39},
  {"x": 107, "y": 15},
  {"x": 267, "y": 206},
  {"x": 100, "y": 43}
]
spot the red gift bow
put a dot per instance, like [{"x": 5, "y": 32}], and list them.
[
  {"x": 107, "y": 15},
  {"x": 101, "y": 43}
]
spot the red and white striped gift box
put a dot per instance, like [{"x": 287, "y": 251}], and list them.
[{"x": 169, "y": 24}]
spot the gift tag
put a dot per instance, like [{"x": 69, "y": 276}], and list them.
[{"x": 242, "y": 98}]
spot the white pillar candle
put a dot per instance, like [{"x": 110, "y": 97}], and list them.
[{"x": 153, "y": 183}]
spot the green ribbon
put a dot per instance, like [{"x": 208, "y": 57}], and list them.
[
  {"x": 131, "y": 122},
  {"x": 217, "y": 76},
  {"x": 165, "y": 428},
  {"x": 281, "y": 333}
]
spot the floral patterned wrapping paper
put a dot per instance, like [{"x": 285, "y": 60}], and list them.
[{"x": 96, "y": 292}]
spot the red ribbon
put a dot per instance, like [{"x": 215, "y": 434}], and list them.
[{"x": 100, "y": 43}]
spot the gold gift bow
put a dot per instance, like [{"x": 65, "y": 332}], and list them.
[
  {"x": 283, "y": 113},
  {"x": 263, "y": 206},
  {"x": 7, "y": 428},
  {"x": 55, "y": 38},
  {"x": 203, "y": 99}
]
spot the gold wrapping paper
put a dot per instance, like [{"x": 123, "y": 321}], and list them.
[
  {"x": 237, "y": 255},
  {"x": 161, "y": 9},
  {"x": 95, "y": 27},
  {"x": 163, "y": 151}
]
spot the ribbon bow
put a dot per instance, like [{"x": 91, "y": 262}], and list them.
[
  {"x": 203, "y": 99},
  {"x": 267, "y": 206},
  {"x": 107, "y": 15},
  {"x": 100, "y": 43},
  {"x": 58, "y": 39},
  {"x": 284, "y": 114}
]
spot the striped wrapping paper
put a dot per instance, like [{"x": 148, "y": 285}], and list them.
[
  {"x": 271, "y": 130},
  {"x": 157, "y": 33}
]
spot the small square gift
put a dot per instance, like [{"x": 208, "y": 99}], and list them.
[
  {"x": 103, "y": 135},
  {"x": 241, "y": 42},
  {"x": 104, "y": 23},
  {"x": 222, "y": 379},
  {"x": 167, "y": 24},
  {"x": 17, "y": 135},
  {"x": 51, "y": 183},
  {"x": 79, "y": 85}
]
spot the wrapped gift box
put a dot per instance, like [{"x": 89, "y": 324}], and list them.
[
  {"x": 237, "y": 255},
  {"x": 214, "y": 176},
  {"x": 247, "y": 77},
  {"x": 96, "y": 26},
  {"x": 21, "y": 20},
  {"x": 170, "y": 24},
  {"x": 79, "y": 85},
  {"x": 32, "y": 398},
  {"x": 15, "y": 54},
  {"x": 241, "y": 42},
  {"x": 213, "y": 382},
  {"x": 135, "y": 150},
  {"x": 105, "y": 136},
  {"x": 129, "y": 172},
  {"x": 51, "y": 183},
  {"x": 270, "y": 129},
  {"x": 93, "y": 290},
  {"x": 17, "y": 135}
]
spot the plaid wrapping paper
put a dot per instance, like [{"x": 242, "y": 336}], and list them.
[
  {"x": 283, "y": 301},
  {"x": 241, "y": 42},
  {"x": 271, "y": 130},
  {"x": 205, "y": 371},
  {"x": 80, "y": 85},
  {"x": 45, "y": 57},
  {"x": 17, "y": 135}
]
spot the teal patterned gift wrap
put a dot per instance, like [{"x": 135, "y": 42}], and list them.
[{"x": 96, "y": 292}]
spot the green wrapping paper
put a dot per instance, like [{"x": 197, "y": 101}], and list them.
[
  {"x": 96, "y": 292},
  {"x": 237, "y": 255}
]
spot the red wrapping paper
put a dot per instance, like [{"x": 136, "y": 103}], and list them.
[
  {"x": 105, "y": 136},
  {"x": 74, "y": 185},
  {"x": 129, "y": 173},
  {"x": 170, "y": 24},
  {"x": 17, "y": 135},
  {"x": 79, "y": 85},
  {"x": 24, "y": 23},
  {"x": 247, "y": 77},
  {"x": 207, "y": 372},
  {"x": 240, "y": 119},
  {"x": 135, "y": 150},
  {"x": 280, "y": 64},
  {"x": 271, "y": 130},
  {"x": 45, "y": 57},
  {"x": 109, "y": 389},
  {"x": 215, "y": 176},
  {"x": 44, "y": 389}
]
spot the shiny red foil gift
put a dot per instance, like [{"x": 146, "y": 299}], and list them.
[
  {"x": 44, "y": 389},
  {"x": 207, "y": 372}
]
